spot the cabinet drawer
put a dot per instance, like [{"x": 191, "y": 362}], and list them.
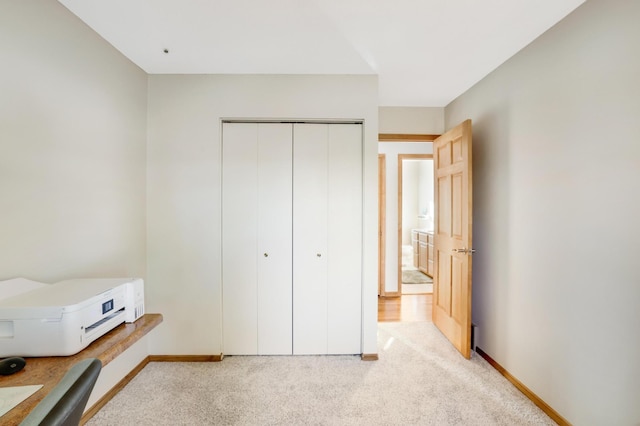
[{"x": 422, "y": 258}]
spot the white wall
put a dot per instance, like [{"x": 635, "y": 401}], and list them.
[
  {"x": 557, "y": 201},
  {"x": 410, "y": 193},
  {"x": 403, "y": 120},
  {"x": 184, "y": 239},
  {"x": 426, "y": 205},
  {"x": 72, "y": 144}
]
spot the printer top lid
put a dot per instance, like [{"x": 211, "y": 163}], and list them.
[{"x": 64, "y": 293}]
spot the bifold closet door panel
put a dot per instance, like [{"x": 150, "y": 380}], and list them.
[
  {"x": 256, "y": 238},
  {"x": 310, "y": 155},
  {"x": 327, "y": 238},
  {"x": 239, "y": 243},
  {"x": 344, "y": 280},
  {"x": 274, "y": 239}
]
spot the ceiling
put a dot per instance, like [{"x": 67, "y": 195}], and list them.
[{"x": 425, "y": 52}]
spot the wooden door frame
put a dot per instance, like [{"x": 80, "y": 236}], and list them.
[
  {"x": 382, "y": 222},
  {"x": 402, "y": 157},
  {"x": 390, "y": 137}
]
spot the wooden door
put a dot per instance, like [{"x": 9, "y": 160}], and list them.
[
  {"x": 256, "y": 238},
  {"x": 453, "y": 236}
]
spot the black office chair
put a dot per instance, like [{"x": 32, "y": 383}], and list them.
[{"x": 64, "y": 405}]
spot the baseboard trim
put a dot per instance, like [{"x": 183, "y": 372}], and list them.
[
  {"x": 525, "y": 390},
  {"x": 185, "y": 358},
  {"x": 113, "y": 391},
  {"x": 391, "y": 295},
  {"x": 369, "y": 357}
]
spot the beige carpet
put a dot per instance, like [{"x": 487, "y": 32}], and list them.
[{"x": 419, "y": 380}]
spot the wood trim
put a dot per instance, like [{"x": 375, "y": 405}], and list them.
[
  {"x": 402, "y": 137},
  {"x": 369, "y": 357},
  {"x": 382, "y": 222},
  {"x": 391, "y": 295},
  {"x": 112, "y": 392},
  {"x": 185, "y": 358},
  {"x": 525, "y": 390},
  {"x": 402, "y": 157}
]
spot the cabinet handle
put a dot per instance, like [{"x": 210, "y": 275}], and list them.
[
  {"x": 319, "y": 255},
  {"x": 266, "y": 255}
]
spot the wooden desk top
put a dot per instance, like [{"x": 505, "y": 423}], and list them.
[{"x": 48, "y": 371}]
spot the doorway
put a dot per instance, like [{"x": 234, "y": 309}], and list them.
[
  {"x": 415, "y": 223},
  {"x": 392, "y": 305},
  {"x": 451, "y": 300}
]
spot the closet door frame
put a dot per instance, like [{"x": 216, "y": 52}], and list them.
[{"x": 338, "y": 339}]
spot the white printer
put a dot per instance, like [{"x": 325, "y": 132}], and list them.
[{"x": 38, "y": 319}]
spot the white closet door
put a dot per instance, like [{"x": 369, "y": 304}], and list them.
[
  {"x": 274, "y": 239},
  {"x": 310, "y": 154},
  {"x": 327, "y": 232},
  {"x": 239, "y": 243},
  {"x": 256, "y": 238},
  {"x": 344, "y": 282}
]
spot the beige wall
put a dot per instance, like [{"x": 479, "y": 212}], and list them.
[
  {"x": 184, "y": 224},
  {"x": 72, "y": 156},
  {"x": 557, "y": 201},
  {"x": 412, "y": 120},
  {"x": 72, "y": 149}
]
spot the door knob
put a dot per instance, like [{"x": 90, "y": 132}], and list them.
[{"x": 464, "y": 250}]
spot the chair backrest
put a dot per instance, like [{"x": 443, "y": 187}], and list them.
[{"x": 64, "y": 405}]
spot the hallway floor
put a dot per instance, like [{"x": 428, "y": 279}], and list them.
[{"x": 406, "y": 308}]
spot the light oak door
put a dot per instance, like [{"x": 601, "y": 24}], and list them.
[
  {"x": 453, "y": 236},
  {"x": 327, "y": 238},
  {"x": 256, "y": 238}
]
